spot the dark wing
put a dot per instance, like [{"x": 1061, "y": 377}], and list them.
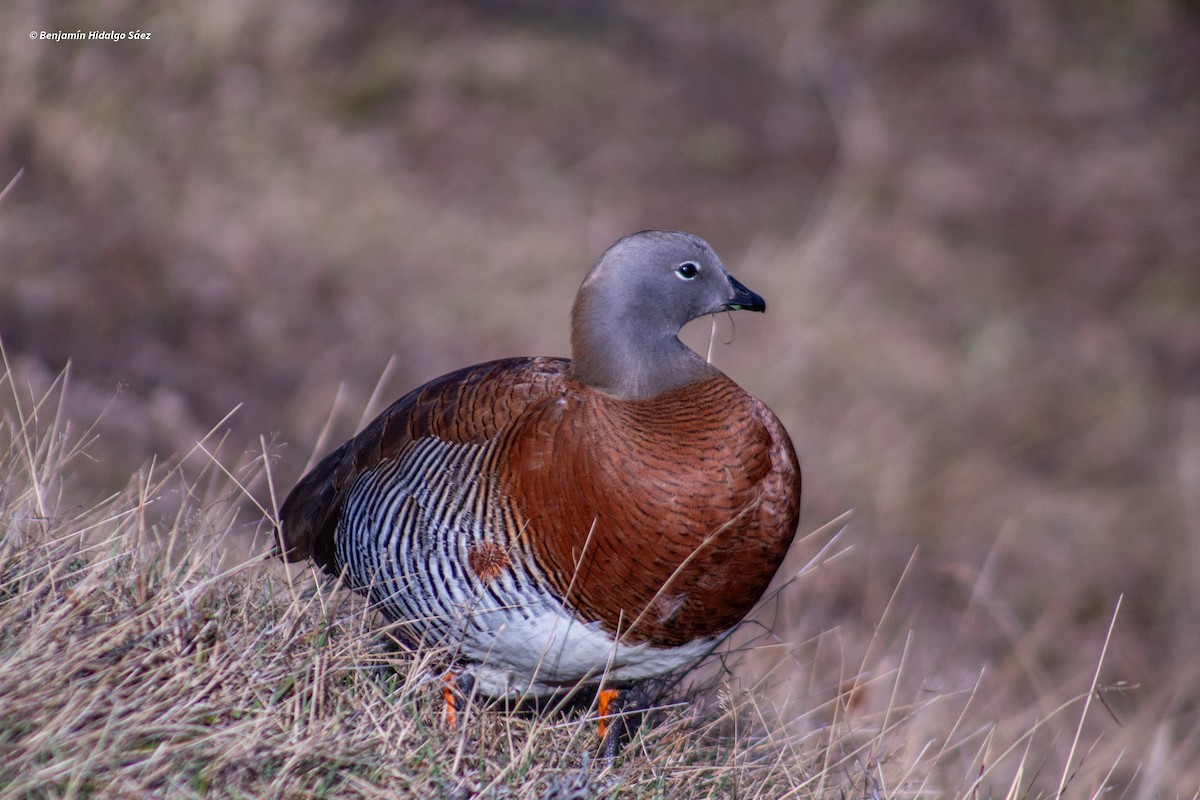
[{"x": 470, "y": 405}]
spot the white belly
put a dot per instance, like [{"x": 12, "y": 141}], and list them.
[{"x": 550, "y": 651}]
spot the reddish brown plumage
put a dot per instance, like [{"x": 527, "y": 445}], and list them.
[
  {"x": 488, "y": 560},
  {"x": 663, "y": 519}
]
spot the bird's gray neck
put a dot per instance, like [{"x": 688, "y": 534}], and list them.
[{"x": 620, "y": 356}]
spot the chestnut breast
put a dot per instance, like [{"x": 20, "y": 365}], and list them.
[{"x": 663, "y": 519}]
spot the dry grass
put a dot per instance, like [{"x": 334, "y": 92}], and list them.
[
  {"x": 144, "y": 653},
  {"x": 140, "y": 657}
]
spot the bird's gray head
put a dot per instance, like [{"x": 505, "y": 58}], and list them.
[{"x": 634, "y": 301}]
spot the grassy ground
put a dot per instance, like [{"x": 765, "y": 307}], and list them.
[
  {"x": 142, "y": 657},
  {"x": 977, "y": 227}
]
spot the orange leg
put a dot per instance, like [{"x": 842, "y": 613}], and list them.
[
  {"x": 604, "y": 702},
  {"x": 451, "y": 702}
]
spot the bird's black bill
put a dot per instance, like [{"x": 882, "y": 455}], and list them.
[{"x": 744, "y": 299}]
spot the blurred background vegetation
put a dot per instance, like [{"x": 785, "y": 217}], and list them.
[{"x": 976, "y": 224}]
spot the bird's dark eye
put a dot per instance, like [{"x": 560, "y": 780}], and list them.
[{"x": 687, "y": 270}]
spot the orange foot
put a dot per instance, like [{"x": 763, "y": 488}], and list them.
[
  {"x": 604, "y": 708},
  {"x": 450, "y": 700}
]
